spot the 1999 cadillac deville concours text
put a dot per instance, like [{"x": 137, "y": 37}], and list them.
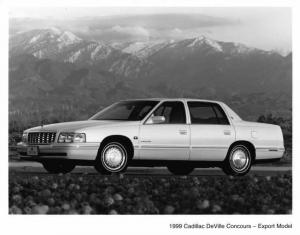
[{"x": 181, "y": 134}]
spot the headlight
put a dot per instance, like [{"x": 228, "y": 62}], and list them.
[
  {"x": 24, "y": 137},
  {"x": 71, "y": 138}
]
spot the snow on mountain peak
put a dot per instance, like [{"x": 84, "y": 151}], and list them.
[
  {"x": 144, "y": 49},
  {"x": 197, "y": 41},
  {"x": 34, "y": 39},
  {"x": 67, "y": 38},
  {"x": 214, "y": 44},
  {"x": 241, "y": 48},
  {"x": 202, "y": 39},
  {"x": 135, "y": 47},
  {"x": 54, "y": 34}
]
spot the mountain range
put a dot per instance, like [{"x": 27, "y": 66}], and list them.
[{"x": 57, "y": 75}]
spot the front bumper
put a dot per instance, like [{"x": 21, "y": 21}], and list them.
[{"x": 74, "y": 151}]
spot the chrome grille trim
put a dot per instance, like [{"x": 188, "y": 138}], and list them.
[{"x": 41, "y": 137}]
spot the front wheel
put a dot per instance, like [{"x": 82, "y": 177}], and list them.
[
  {"x": 180, "y": 169},
  {"x": 238, "y": 162},
  {"x": 58, "y": 166},
  {"x": 113, "y": 158}
]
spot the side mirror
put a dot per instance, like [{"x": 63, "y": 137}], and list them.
[{"x": 156, "y": 120}]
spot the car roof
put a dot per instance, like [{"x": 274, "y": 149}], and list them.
[{"x": 174, "y": 99}]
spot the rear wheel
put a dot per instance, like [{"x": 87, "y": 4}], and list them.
[
  {"x": 180, "y": 169},
  {"x": 113, "y": 158},
  {"x": 58, "y": 166},
  {"x": 238, "y": 162}
]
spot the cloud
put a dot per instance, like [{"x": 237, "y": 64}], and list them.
[
  {"x": 117, "y": 33},
  {"x": 134, "y": 31},
  {"x": 176, "y": 31},
  {"x": 150, "y": 26}
]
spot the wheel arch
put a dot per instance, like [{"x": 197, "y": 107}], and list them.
[
  {"x": 246, "y": 143},
  {"x": 117, "y": 138}
]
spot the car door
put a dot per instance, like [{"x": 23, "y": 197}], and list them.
[
  {"x": 168, "y": 140},
  {"x": 211, "y": 132}
]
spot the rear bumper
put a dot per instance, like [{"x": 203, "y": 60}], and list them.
[
  {"x": 265, "y": 155},
  {"x": 80, "y": 151}
]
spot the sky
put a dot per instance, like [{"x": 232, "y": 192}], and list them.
[{"x": 265, "y": 28}]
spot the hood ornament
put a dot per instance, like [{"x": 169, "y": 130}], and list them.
[{"x": 42, "y": 123}]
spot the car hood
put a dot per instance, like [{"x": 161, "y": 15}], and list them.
[{"x": 73, "y": 126}]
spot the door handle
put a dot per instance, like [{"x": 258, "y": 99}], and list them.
[
  {"x": 227, "y": 132},
  {"x": 182, "y": 132}
]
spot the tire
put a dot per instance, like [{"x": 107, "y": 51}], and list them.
[
  {"x": 58, "y": 166},
  {"x": 180, "y": 169},
  {"x": 238, "y": 162},
  {"x": 113, "y": 158}
]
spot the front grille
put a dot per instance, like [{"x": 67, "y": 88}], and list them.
[{"x": 41, "y": 137}]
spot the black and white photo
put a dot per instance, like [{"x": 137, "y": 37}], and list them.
[{"x": 154, "y": 118}]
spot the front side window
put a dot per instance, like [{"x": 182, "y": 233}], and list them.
[
  {"x": 207, "y": 113},
  {"x": 173, "y": 111},
  {"x": 126, "y": 111}
]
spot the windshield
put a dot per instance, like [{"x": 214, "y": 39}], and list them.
[{"x": 126, "y": 111}]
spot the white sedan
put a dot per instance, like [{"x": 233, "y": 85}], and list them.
[{"x": 181, "y": 134}]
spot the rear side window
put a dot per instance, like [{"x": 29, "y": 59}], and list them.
[
  {"x": 220, "y": 114},
  {"x": 207, "y": 113}
]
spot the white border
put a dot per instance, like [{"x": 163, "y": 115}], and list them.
[{"x": 137, "y": 224}]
